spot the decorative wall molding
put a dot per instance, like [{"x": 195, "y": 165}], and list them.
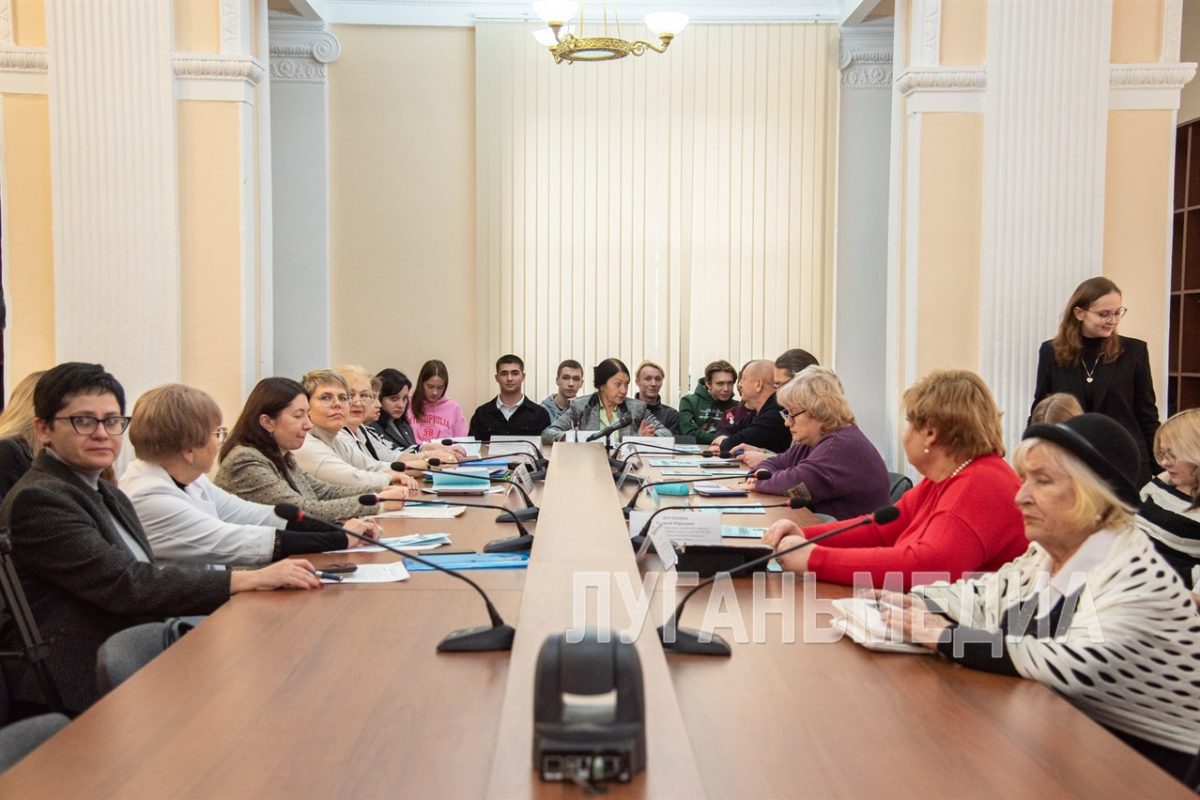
[
  {"x": 24, "y": 70},
  {"x": 6, "y": 26},
  {"x": 932, "y": 89},
  {"x": 931, "y": 32},
  {"x": 1172, "y": 30},
  {"x": 1148, "y": 86},
  {"x": 231, "y": 28},
  {"x": 866, "y": 58},
  {"x": 216, "y": 77},
  {"x": 300, "y": 51}
]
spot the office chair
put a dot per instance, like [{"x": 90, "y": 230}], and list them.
[{"x": 898, "y": 484}]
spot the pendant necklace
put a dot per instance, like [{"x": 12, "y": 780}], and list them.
[{"x": 1089, "y": 373}]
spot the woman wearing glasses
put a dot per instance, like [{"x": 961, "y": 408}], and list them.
[
  {"x": 176, "y": 433},
  {"x": 1107, "y": 373},
  {"x": 82, "y": 555}
]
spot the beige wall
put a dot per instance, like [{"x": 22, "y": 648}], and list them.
[
  {"x": 1189, "y": 50},
  {"x": 1136, "y": 215},
  {"x": 951, "y": 209},
  {"x": 29, "y": 23},
  {"x": 209, "y": 250},
  {"x": 964, "y": 32},
  {"x": 402, "y": 192},
  {"x": 197, "y": 25},
  {"x": 1137, "y": 31},
  {"x": 29, "y": 245}
]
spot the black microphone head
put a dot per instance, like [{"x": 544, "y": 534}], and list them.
[
  {"x": 795, "y": 502},
  {"x": 882, "y": 516},
  {"x": 762, "y": 474},
  {"x": 289, "y": 511},
  {"x": 399, "y": 466},
  {"x": 434, "y": 462},
  {"x": 448, "y": 442},
  {"x": 368, "y": 499},
  {"x": 626, "y": 421}
]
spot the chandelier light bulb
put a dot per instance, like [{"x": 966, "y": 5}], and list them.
[
  {"x": 556, "y": 12},
  {"x": 666, "y": 23}
]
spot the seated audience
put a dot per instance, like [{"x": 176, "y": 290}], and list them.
[
  {"x": 432, "y": 414},
  {"x": 1170, "y": 510},
  {"x": 331, "y": 454},
  {"x": 176, "y": 432},
  {"x": 831, "y": 465},
  {"x": 362, "y": 409},
  {"x": 84, "y": 562},
  {"x": 959, "y": 519},
  {"x": 606, "y": 406},
  {"x": 791, "y": 364},
  {"x": 257, "y": 462},
  {"x": 568, "y": 379},
  {"x": 392, "y": 425},
  {"x": 18, "y": 442},
  {"x": 510, "y": 412},
  {"x": 649, "y": 377},
  {"x": 700, "y": 412},
  {"x": 1055, "y": 408},
  {"x": 763, "y": 427},
  {"x": 1090, "y": 610}
]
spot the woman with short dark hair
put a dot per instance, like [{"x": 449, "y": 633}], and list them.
[{"x": 606, "y": 406}]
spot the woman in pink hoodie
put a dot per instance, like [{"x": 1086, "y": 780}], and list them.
[{"x": 434, "y": 416}]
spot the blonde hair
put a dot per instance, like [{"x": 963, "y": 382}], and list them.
[
  {"x": 1096, "y": 505},
  {"x": 315, "y": 379},
  {"x": 351, "y": 371},
  {"x": 959, "y": 407},
  {"x": 171, "y": 418},
  {"x": 17, "y": 417},
  {"x": 1181, "y": 435},
  {"x": 1055, "y": 408},
  {"x": 638, "y": 372},
  {"x": 819, "y": 392}
]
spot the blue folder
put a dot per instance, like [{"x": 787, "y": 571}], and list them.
[{"x": 463, "y": 561}]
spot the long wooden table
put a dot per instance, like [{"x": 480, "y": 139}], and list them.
[{"x": 340, "y": 693}]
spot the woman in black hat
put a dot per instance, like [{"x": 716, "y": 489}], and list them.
[
  {"x": 1091, "y": 609},
  {"x": 1106, "y": 372}
]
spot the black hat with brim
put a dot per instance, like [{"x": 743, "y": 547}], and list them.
[{"x": 1103, "y": 445}]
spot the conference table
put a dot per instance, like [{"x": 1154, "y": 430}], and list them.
[{"x": 340, "y": 692}]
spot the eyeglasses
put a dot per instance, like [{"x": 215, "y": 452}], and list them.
[
  {"x": 222, "y": 433},
  {"x": 792, "y": 417},
  {"x": 329, "y": 398},
  {"x": 362, "y": 397},
  {"x": 1107, "y": 315},
  {"x": 86, "y": 426},
  {"x": 1165, "y": 457}
]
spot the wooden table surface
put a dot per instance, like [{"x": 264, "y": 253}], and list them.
[{"x": 340, "y": 693}]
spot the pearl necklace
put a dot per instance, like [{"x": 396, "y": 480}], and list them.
[{"x": 960, "y": 468}]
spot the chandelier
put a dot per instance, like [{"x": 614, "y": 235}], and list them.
[{"x": 559, "y": 35}]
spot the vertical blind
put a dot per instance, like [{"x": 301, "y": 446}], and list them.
[{"x": 677, "y": 208}]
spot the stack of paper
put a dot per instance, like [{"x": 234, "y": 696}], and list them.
[
  {"x": 862, "y": 621},
  {"x": 374, "y": 573}
]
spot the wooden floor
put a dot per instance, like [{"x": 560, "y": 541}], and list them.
[{"x": 340, "y": 693}]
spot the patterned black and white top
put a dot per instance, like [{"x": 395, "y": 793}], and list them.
[
  {"x": 1122, "y": 643},
  {"x": 1166, "y": 515}
]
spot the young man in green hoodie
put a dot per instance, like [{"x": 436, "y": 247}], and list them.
[{"x": 700, "y": 412}]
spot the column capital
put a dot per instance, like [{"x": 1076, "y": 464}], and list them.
[
  {"x": 301, "y": 49},
  {"x": 866, "y": 57}
]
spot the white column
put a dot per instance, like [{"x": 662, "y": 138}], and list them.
[
  {"x": 1045, "y": 132},
  {"x": 300, "y": 51},
  {"x": 115, "y": 207},
  {"x": 860, "y": 328}
]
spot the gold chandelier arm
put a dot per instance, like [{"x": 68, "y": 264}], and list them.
[{"x": 640, "y": 46}]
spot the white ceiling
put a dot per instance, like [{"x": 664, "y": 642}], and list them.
[{"x": 464, "y": 14}]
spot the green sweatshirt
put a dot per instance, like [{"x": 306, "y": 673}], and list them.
[{"x": 699, "y": 414}]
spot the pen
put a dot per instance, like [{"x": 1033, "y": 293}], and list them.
[{"x": 327, "y": 575}]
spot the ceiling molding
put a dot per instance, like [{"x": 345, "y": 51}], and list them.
[{"x": 452, "y": 13}]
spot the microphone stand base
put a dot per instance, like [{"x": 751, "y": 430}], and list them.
[
  {"x": 688, "y": 642},
  {"x": 513, "y": 544},
  {"x": 523, "y": 514},
  {"x": 483, "y": 639}
]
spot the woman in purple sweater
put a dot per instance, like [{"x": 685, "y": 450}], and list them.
[{"x": 831, "y": 465}]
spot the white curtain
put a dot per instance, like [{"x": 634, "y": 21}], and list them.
[{"x": 677, "y": 207}]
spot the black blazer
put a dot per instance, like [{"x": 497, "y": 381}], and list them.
[
  {"x": 81, "y": 581},
  {"x": 763, "y": 429},
  {"x": 530, "y": 419},
  {"x": 15, "y": 460},
  {"x": 1122, "y": 390}
]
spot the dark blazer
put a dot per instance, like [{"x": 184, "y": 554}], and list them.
[
  {"x": 763, "y": 429},
  {"x": 81, "y": 581},
  {"x": 15, "y": 460},
  {"x": 396, "y": 431},
  {"x": 1122, "y": 390},
  {"x": 530, "y": 419}
]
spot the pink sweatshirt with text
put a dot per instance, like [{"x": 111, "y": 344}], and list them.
[{"x": 443, "y": 419}]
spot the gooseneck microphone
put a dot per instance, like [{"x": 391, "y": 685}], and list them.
[
  {"x": 685, "y": 640},
  {"x": 497, "y": 636},
  {"x": 530, "y": 511},
  {"x": 758, "y": 475},
  {"x": 509, "y": 544},
  {"x": 624, "y": 422}
]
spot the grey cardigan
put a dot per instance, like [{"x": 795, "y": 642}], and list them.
[
  {"x": 251, "y": 476},
  {"x": 584, "y": 414}
]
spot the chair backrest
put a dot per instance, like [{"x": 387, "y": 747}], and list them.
[
  {"x": 127, "y": 651},
  {"x": 898, "y": 484},
  {"x": 15, "y": 615},
  {"x": 20, "y": 738}
]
